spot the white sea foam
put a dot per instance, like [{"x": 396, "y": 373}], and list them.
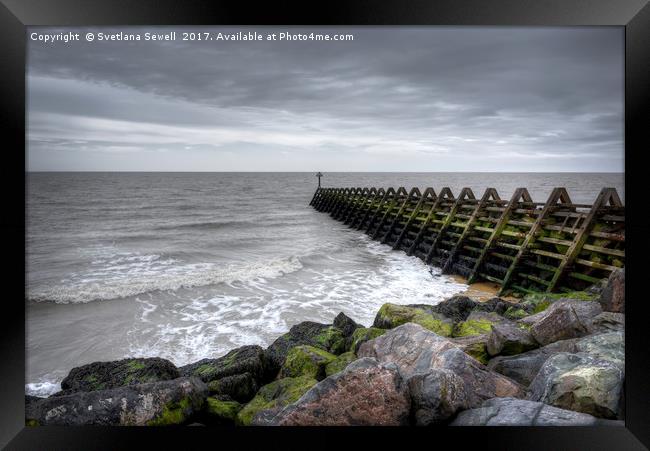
[
  {"x": 43, "y": 388},
  {"x": 260, "y": 310},
  {"x": 134, "y": 274}
]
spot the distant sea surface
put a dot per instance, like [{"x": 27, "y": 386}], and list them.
[{"x": 187, "y": 266}]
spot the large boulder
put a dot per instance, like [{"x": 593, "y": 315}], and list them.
[
  {"x": 271, "y": 398},
  {"x": 365, "y": 393},
  {"x": 106, "y": 375},
  {"x": 238, "y": 374},
  {"x": 580, "y": 382},
  {"x": 416, "y": 350},
  {"x": 155, "y": 404},
  {"x": 507, "y": 338},
  {"x": 564, "y": 319},
  {"x": 306, "y": 361},
  {"x": 519, "y": 412},
  {"x": 392, "y": 315},
  {"x": 524, "y": 367},
  {"x": 612, "y": 298},
  {"x": 323, "y": 336},
  {"x": 436, "y": 396}
]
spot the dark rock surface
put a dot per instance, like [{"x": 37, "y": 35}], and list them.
[
  {"x": 105, "y": 375},
  {"x": 246, "y": 359},
  {"x": 436, "y": 396},
  {"x": 157, "y": 403}
]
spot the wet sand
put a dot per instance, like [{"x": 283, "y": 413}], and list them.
[{"x": 482, "y": 291}]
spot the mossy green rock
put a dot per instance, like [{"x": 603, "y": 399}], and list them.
[
  {"x": 477, "y": 323},
  {"x": 364, "y": 334},
  {"x": 322, "y": 336},
  {"x": 175, "y": 412},
  {"x": 306, "y": 360},
  {"x": 274, "y": 396},
  {"x": 340, "y": 363},
  {"x": 515, "y": 313},
  {"x": 221, "y": 411},
  {"x": 331, "y": 339},
  {"x": 392, "y": 315}
]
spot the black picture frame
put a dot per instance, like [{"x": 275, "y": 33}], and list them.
[{"x": 15, "y": 15}]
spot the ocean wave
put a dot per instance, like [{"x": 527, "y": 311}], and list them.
[
  {"x": 131, "y": 275},
  {"x": 43, "y": 388}
]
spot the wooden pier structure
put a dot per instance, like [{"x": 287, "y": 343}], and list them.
[{"x": 522, "y": 245}]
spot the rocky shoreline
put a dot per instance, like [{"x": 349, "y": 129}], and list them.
[{"x": 547, "y": 360}]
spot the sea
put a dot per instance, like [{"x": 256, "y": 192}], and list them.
[{"x": 187, "y": 266}]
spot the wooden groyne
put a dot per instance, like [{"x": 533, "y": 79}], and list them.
[{"x": 522, "y": 245}]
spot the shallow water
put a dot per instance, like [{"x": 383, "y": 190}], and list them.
[{"x": 187, "y": 266}]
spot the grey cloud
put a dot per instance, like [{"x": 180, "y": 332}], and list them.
[{"x": 410, "y": 90}]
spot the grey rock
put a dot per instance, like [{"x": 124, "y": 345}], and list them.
[
  {"x": 580, "y": 382},
  {"x": 519, "y": 412},
  {"x": 608, "y": 346},
  {"x": 156, "y": 403},
  {"x": 507, "y": 338},
  {"x": 607, "y": 322},
  {"x": 524, "y": 367}
]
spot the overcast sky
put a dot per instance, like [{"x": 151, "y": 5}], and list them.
[{"x": 394, "y": 99}]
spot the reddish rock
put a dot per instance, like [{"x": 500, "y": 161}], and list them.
[
  {"x": 366, "y": 393},
  {"x": 612, "y": 299},
  {"x": 561, "y": 323}
]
